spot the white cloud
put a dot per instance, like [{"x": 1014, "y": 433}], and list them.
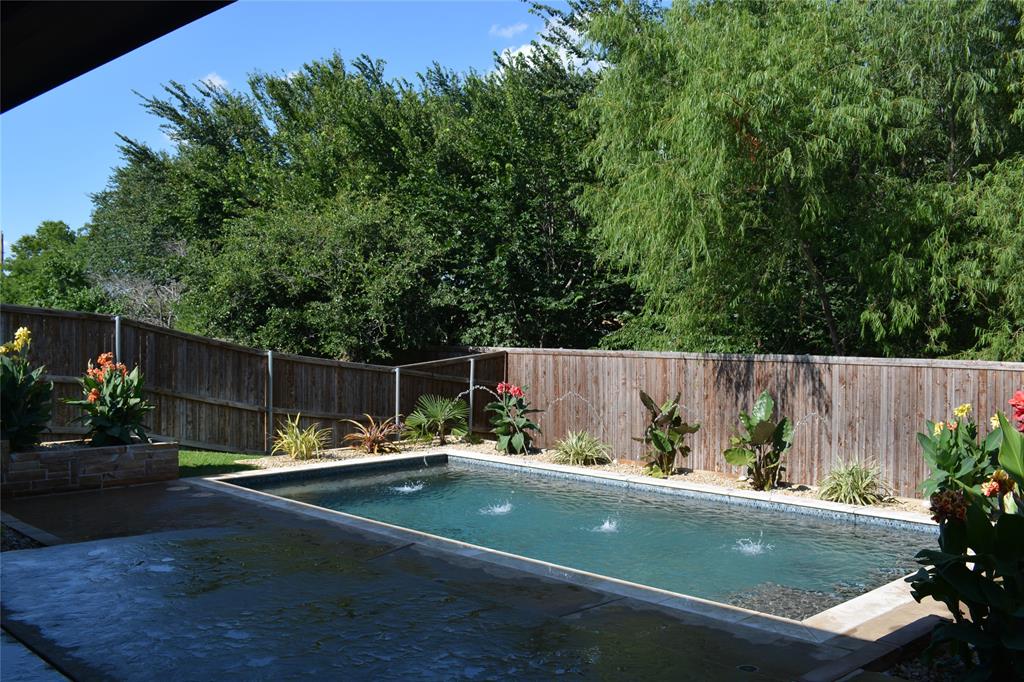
[
  {"x": 527, "y": 49},
  {"x": 292, "y": 75},
  {"x": 214, "y": 80},
  {"x": 507, "y": 31}
]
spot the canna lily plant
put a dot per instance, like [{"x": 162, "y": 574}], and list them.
[
  {"x": 511, "y": 424},
  {"x": 113, "y": 402}
]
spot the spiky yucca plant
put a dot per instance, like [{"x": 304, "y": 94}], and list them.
[
  {"x": 299, "y": 443},
  {"x": 855, "y": 483},
  {"x": 579, "y": 448},
  {"x": 373, "y": 437}
]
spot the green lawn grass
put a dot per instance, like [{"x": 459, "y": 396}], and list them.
[{"x": 206, "y": 463}]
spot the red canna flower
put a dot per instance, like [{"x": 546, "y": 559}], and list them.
[
  {"x": 990, "y": 489},
  {"x": 1017, "y": 403},
  {"x": 516, "y": 391}
]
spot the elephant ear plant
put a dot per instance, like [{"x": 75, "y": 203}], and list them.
[
  {"x": 762, "y": 444},
  {"x": 979, "y": 564},
  {"x": 664, "y": 435}
]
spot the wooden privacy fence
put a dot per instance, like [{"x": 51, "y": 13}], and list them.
[
  {"x": 223, "y": 396},
  {"x": 864, "y": 409}
]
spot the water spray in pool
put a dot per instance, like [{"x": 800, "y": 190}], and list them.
[
  {"x": 753, "y": 547},
  {"x": 406, "y": 488},
  {"x": 497, "y": 509}
]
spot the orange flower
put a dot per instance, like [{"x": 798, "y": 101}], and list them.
[
  {"x": 105, "y": 359},
  {"x": 94, "y": 395}
]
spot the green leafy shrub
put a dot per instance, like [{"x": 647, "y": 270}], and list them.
[
  {"x": 980, "y": 565},
  {"x": 955, "y": 457},
  {"x": 579, "y": 448},
  {"x": 762, "y": 444},
  {"x": 511, "y": 425},
  {"x": 114, "y": 404},
  {"x": 664, "y": 435},
  {"x": 26, "y": 401},
  {"x": 436, "y": 417},
  {"x": 855, "y": 483},
  {"x": 373, "y": 437},
  {"x": 299, "y": 443}
]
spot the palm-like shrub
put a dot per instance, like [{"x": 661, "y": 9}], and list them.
[
  {"x": 114, "y": 404},
  {"x": 855, "y": 483},
  {"x": 373, "y": 437},
  {"x": 299, "y": 443},
  {"x": 436, "y": 417},
  {"x": 26, "y": 401},
  {"x": 579, "y": 448}
]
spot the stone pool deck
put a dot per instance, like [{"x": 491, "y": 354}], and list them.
[{"x": 177, "y": 579}]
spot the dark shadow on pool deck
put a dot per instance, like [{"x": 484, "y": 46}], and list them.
[{"x": 173, "y": 580}]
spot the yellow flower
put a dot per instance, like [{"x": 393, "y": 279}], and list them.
[
  {"x": 994, "y": 421},
  {"x": 962, "y": 411},
  {"x": 4, "y": 349},
  {"x": 938, "y": 428},
  {"x": 21, "y": 338}
]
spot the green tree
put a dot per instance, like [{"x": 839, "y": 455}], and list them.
[
  {"x": 797, "y": 176},
  {"x": 48, "y": 269}
]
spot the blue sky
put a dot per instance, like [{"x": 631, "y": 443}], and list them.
[{"x": 58, "y": 148}]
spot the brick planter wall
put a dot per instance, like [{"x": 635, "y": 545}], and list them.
[{"x": 75, "y": 466}]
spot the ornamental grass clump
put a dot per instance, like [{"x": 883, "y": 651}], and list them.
[
  {"x": 26, "y": 400},
  {"x": 511, "y": 425},
  {"x": 373, "y": 437},
  {"x": 300, "y": 443},
  {"x": 579, "y": 448},
  {"x": 114, "y": 403},
  {"x": 855, "y": 483}
]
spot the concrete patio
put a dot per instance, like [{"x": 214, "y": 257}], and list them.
[{"x": 175, "y": 579}]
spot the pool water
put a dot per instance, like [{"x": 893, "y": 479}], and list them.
[{"x": 716, "y": 550}]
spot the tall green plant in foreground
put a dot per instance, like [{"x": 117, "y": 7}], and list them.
[
  {"x": 761, "y": 444},
  {"x": 437, "y": 417},
  {"x": 664, "y": 435},
  {"x": 980, "y": 564},
  {"x": 955, "y": 457},
  {"x": 114, "y": 403},
  {"x": 26, "y": 400}
]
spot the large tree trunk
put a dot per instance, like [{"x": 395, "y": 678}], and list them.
[{"x": 826, "y": 306}]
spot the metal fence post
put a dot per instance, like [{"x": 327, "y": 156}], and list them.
[
  {"x": 472, "y": 380},
  {"x": 270, "y": 401},
  {"x": 117, "y": 338},
  {"x": 398, "y": 406}
]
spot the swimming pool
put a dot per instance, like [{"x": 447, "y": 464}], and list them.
[{"x": 778, "y": 562}]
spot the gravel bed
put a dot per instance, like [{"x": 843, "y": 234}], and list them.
[
  {"x": 11, "y": 540},
  {"x": 715, "y": 478}
]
